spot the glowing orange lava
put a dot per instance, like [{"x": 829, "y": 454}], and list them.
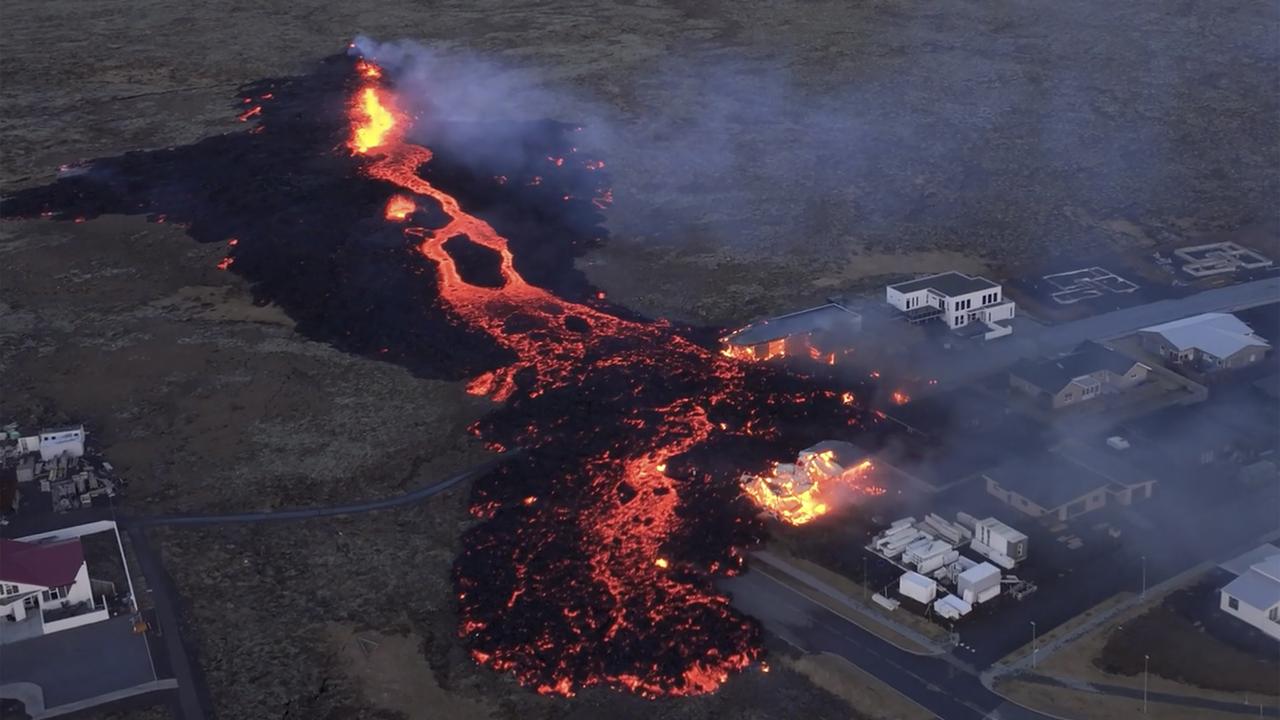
[
  {"x": 399, "y": 207},
  {"x": 372, "y": 122},
  {"x": 627, "y": 591}
]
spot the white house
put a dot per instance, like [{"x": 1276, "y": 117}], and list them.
[
  {"x": 49, "y": 581},
  {"x": 1254, "y": 596},
  {"x": 956, "y": 298},
  {"x": 1209, "y": 342}
]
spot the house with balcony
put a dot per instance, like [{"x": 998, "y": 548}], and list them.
[
  {"x": 959, "y": 300},
  {"x": 44, "y": 588}
]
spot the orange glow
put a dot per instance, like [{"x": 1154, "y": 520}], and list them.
[
  {"x": 225, "y": 262},
  {"x": 900, "y": 398},
  {"x": 372, "y": 122},
  {"x": 623, "y": 542},
  {"x": 399, "y": 207},
  {"x": 368, "y": 69},
  {"x": 802, "y": 492},
  {"x": 846, "y": 398},
  {"x": 244, "y": 116}
]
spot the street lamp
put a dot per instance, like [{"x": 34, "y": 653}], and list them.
[
  {"x": 1146, "y": 660},
  {"x": 1034, "y": 648}
]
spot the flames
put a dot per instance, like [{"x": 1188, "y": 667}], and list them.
[
  {"x": 372, "y": 121},
  {"x": 603, "y": 575},
  {"x": 399, "y": 207},
  {"x": 801, "y": 492}
]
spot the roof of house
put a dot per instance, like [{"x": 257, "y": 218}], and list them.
[
  {"x": 1240, "y": 564},
  {"x": 1048, "y": 479},
  {"x": 1270, "y": 567},
  {"x": 1219, "y": 334},
  {"x": 948, "y": 283},
  {"x": 1053, "y": 374},
  {"x": 1255, "y": 589},
  {"x": 45, "y": 564},
  {"x": 831, "y": 316}
]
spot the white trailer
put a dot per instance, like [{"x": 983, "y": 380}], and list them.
[
  {"x": 1001, "y": 538},
  {"x": 917, "y": 587},
  {"x": 952, "y": 607},
  {"x": 977, "y": 579}
]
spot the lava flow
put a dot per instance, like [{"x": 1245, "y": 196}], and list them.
[{"x": 599, "y": 579}]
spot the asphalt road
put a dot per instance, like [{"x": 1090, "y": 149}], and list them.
[
  {"x": 992, "y": 356},
  {"x": 943, "y": 685}
]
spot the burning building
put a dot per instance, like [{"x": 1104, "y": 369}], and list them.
[
  {"x": 820, "y": 333},
  {"x": 821, "y": 477}
]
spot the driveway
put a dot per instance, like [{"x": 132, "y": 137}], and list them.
[{"x": 73, "y": 666}]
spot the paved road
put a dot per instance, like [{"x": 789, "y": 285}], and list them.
[
  {"x": 989, "y": 357},
  {"x": 193, "y": 696},
  {"x": 945, "y": 686},
  {"x": 320, "y": 512}
]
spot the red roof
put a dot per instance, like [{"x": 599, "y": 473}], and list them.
[{"x": 44, "y": 564}]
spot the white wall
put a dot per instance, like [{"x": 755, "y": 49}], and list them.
[{"x": 1253, "y": 616}]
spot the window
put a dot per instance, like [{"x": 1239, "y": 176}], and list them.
[
  {"x": 1274, "y": 614},
  {"x": 1233, "y": 603}
]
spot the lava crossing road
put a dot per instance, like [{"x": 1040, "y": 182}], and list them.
[{"x": 943, "y": 685}]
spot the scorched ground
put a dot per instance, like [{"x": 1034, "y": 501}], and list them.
[{"x": 593, "y": 558}]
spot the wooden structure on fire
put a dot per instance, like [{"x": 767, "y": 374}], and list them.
[{"x": 819, "y": 332}]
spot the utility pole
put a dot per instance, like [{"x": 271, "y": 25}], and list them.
[
  {"x": 1034, "y": 647},
  {"x": 1146, "y": 660}
]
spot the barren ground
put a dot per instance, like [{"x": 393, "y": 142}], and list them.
[{"x": 851, "y": 141}]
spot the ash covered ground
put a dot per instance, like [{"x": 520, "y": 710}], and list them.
[{"x": 856, "y": 140}]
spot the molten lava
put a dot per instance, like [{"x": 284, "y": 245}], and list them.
[
  {"x": 372, "y": 121},
  {"x": 603, "y": 577},
  {"x": 802, "y": 492},
  {"x": 399, "y": 207}
]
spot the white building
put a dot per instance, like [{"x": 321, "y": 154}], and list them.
[
  {"x": 1209, "y": 342},
  {"x": 47, "y": 583},
  {"x": 956, "y": 298},
  {"x": 62, "y": 441},
  {"x": 1254, "y": 596}
]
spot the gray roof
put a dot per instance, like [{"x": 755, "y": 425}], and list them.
[
  {"x": 1255, "y": 589},
  {"x": 831, "y": 316},
  {"x": 1047, "y": 479},
  {"x": 947, "y": 283},
  {"x": 1219, "y": 334},
  {"x": 1053, "y": 374},
  {"x": 1240, "y": 564}
]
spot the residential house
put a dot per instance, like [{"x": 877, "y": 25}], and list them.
[
  {"x": 1067, "y": 482},
  {"x": 956, "y": 298},
  {"x": 47, "y": 583},
  {"x": 817, "y": 332},
  {"x": 1208, "y": 343},
  {"x": 1254, "y": 596},
  {"x": 1086, "y": 373}
]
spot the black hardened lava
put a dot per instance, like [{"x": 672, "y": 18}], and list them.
[{"x": 310, "y": 235}]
